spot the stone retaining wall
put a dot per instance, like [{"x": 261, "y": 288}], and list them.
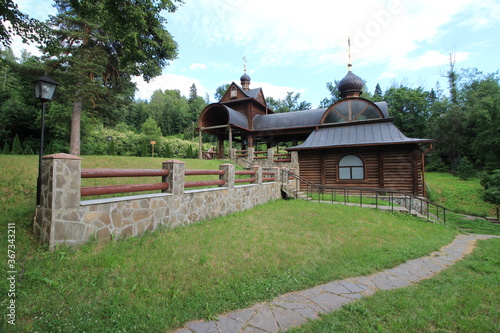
[{"x": 62, "y": 218}]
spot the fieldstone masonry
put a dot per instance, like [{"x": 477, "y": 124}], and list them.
[{"x": 62, "y": 218}]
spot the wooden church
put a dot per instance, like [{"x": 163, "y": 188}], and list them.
[{"x": 351, "y": 143}]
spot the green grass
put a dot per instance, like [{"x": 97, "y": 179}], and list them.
[
  {"x": 366, "y": 200},
  {"x": 463, "y": 298},
  {"x": 461, "y": 196}
]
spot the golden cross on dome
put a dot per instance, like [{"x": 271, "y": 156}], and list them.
[{"x": 245, "y": 64}]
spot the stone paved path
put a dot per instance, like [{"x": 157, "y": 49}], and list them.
[{"x": 293, "y": 309}]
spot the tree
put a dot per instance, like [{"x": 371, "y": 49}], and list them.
[
  {"x": 410, "y": 109},
  {"x": 289, "y": 104},
  {"x": 16, "y": 146},
  {"x": 377, "y": 94},
  {"x": 95, "y": 52},
  {"x": 151, "y": 130},
  {"x": 334, "y": 95},
  {"x": 220, "y": 91},
  {"x": 20, "y": 24},
  {"x": 196, "y": 104}
]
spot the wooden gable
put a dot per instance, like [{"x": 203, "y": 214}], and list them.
[{"x": 234, "y": 92}]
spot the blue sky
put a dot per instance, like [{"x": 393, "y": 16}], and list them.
[{"x": 299, "y": 46}]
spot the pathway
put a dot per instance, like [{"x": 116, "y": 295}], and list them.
[{"x": 295, "y": 308}]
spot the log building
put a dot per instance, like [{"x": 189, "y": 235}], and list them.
[{"x": 351, "y": 143}]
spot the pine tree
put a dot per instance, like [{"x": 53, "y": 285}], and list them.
[
  {"x": 16, "y": 146},
  {"x": 6, "y": 149}
]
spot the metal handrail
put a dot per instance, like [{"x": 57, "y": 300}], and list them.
[{"x": 321, "y": 190}]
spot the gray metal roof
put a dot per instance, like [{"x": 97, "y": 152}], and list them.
[
  {"x": 379, "y": 133},
  {"x": 305, "y": 118},
  {"x": 253, "y": 93},
  {"x": 236, "y": 118}
]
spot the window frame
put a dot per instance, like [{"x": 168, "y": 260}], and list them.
[{"x": 350, "y": 168}]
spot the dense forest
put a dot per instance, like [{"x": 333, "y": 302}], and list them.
[{"x": 85, "y": 52}]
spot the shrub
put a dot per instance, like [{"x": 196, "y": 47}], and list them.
[
  {"x": 491, "y": 184},
  {"x": 465, "y": 169},
  {"x": 436, "y": 164}
]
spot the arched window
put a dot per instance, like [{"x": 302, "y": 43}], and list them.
[{"x": 351, "y": 167}]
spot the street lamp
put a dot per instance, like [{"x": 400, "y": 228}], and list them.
[{"x": 45, "y": 88}]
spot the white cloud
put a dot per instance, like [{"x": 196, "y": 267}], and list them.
[
  {"x": 274, "y": 91},
  {"x": 197, "y": 66},
  {"x": 167, "y": 82},
  {"x": 282, "y": 32}
]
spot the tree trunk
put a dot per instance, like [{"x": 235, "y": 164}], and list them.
[{"x": 74, "y": 145}]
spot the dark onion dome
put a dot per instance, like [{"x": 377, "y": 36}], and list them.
[
  {"x": 351, "y": 82},
  {"x": 245, "y": 78}
]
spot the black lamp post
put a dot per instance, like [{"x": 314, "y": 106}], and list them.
[{"x": 45, "y": 88}]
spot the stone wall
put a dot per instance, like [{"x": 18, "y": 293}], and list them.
[{"x": 62, "y": 218}]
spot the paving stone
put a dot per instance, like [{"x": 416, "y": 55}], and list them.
[
  {"x": 203, "y": 327},
  {"x": 249, "y": 329},
  {"x": 290, "y": 306},
  {"x": 398, "y": 282},
  {"x": 291, "y": 298},
  {"x": 308, "y": 313},
  {"x": 336, "y": 288},
  {"x": 364, "y": 280},
  {"x": 287, "y": 318},
  {"x": 353, "y": 288},
  {"x": 243, "y": 315},
  {"x": 229, "y": 325},
  {"x": 264, "y": 320},
  {"x": 383, "y": 283},
  {"x": 329, "y": 301}
]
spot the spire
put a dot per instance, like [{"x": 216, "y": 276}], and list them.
[
  {"x": 351, "y": 85},
  {"x": 349, "y": 64}
]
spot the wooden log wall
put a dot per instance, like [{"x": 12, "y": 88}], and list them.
[{"x": 397, "y": 167}]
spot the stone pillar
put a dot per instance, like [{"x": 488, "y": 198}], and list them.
[
  {"x": 250, "y": 154},
  {"x": 175, "y": 178},
  {"x": 228, "y": 175},
  {"x": 258, "y": 174},
  {"x": 270, "y": 157},
  {"x": 57, "y": 219},
  {"x": 294, "y": 158},
  {"x": 277, "y": 174},
  {"x": 232, "y": 154}
]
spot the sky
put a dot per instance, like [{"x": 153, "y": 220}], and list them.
[{"x": 299, "y": 46}]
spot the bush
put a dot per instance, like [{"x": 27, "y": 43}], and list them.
[
  {"x": 465, "y": 169},
  {"x": 491, "y": 184},
  {"x": 436, "y": 164}
]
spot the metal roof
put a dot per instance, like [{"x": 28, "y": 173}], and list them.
[
  {"x": 380, "y": 133},
  {"x": 305, "y": 118},
  {"x": 236, "y": 118}
]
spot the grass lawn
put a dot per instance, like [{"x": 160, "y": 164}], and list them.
[
  {"x": 463, "y": 298},
  {"x": 461, "y": 196},
  {"x": 159, "y": 281}
]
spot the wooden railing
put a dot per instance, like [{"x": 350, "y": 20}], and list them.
[
  {"x": 202, "y": 183},
  {"x": 268, "y": 173},
  {"x": 114, "y": 189},
  {"x": 245, "y": 179}
]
